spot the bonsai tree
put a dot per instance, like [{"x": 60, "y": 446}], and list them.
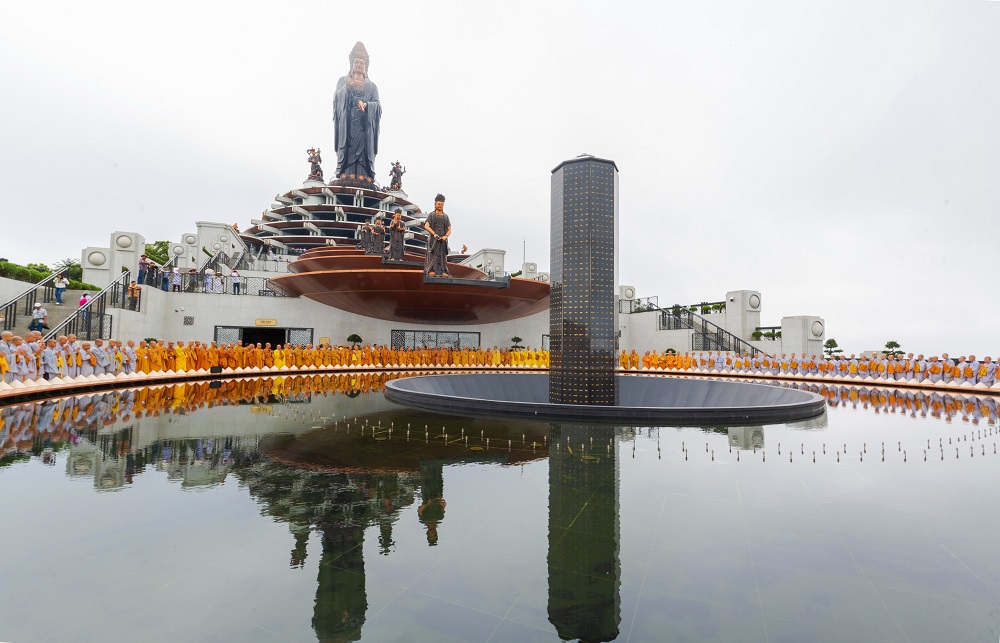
[
  {"x": 830, "y": 347},
  {"x": 892, "y": 348},
  {"x": 516, "y": 342},
  {"x": 706, "y": 310},
  {"x": 355, "y": 339},
  {"x": 757, "y": 334}
]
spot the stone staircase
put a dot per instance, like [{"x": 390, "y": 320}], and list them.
[{"x": 57, "y": 314}]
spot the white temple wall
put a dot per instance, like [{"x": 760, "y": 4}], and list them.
[
  {"x": 803, "y": 334},
  {"x": 163, "y": 316},
  {"x": 11, "y": 288},
  {"x": 101, "y": 266}
]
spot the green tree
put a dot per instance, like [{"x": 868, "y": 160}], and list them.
[
  {"x": 70, "y": 268},
  {"x": 40, "y": 267},
  {"x": 830, "y": 347},
  {"x": 517, "y": 342},
  {"x": 158, "y": 251},
  {"x": 892, "y": 348},
  {"x": 355, "y": 339}
]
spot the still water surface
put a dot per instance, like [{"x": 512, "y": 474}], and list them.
[{"x": 311, "y": 509}]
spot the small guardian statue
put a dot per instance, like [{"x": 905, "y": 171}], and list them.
[
  {"x": 315, "y": 159},
  {"x": 397, "y": 236},
  {"x": 396, "y": 177}
]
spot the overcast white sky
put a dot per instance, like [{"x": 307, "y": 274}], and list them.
[{"x": 841, "y": 157}]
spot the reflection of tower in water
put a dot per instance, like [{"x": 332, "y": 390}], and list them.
[{"x": 584, "y": 569}]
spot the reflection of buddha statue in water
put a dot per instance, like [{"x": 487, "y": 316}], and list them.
[{"x": 431, "y": 510}]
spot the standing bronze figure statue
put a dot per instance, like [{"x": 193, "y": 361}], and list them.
[
  {"x": 356, "y": 116},
  {"x": 368, "y": 238},
  {"x": 364, "y": 233},
  {"x": 378, "y": 237},
  {"x": 438, "y": 228},
  {"x": 396, "y": 177},
  {"x": 397, "y": 232},
  {"x": 315, "y": 159}
]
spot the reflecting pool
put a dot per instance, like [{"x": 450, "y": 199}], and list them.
[{"x": 310, "y": 508}]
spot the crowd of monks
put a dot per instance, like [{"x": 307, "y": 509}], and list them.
[
  {"x": 30, "y": 359},
  {"x": 887, "y": 367}
]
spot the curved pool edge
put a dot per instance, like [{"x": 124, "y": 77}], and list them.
[{"x": 402, "y": 392}]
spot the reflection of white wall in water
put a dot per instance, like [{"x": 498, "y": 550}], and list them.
[
  {"x": 746, "y": 437},
  {"x": 86, "y": 461},
  {"x": 818, "y": 422},
  {"x": 254, "y": 419},
  {"x": 82, "y": 460}
]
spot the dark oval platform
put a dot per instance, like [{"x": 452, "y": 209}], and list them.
[{"x": 641, "y": 399}]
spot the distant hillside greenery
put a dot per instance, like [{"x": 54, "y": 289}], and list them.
[{"x": 22, "y": 273}]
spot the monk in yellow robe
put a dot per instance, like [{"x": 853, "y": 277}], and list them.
[
  {"x": 156, "y": 362},
  {"x": 180, "y": 358}
]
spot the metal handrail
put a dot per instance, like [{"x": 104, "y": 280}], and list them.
[
  {"x": 242, "y": 260},
  {"x": 723, "y": 339},
  {"x": 677, "y": 318},
  {"x": 113, "y": 294},
  {"x": 8, "y": 311},
  {"x": 641, "y": 305},
  {"x": 214, "y": 262}
]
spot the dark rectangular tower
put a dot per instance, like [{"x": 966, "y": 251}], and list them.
[{"x": 583, "y": 318}]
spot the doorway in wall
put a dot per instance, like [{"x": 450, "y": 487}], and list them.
[{"x": 263, "y": 334}]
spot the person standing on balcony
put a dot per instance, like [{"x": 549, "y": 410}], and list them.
[
  {"x": 61, "y": 283},
  {"x": 236, "y": 280},
  {"x": 134, "y": 292},
  {"x": 143, "y": 268}
]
